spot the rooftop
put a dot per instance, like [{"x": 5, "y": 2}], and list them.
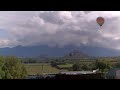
[{"x": 78, "y": 72}]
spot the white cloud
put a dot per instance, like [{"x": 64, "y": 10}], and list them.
[{"x": 61, "y": 28}]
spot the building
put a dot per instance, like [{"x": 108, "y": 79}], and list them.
[
  {"x": 79, "y": 75},
  {"x": 77, "y": 72},
  {"x": 113, "y": 73},
  {"x": 80, "y": 72}
]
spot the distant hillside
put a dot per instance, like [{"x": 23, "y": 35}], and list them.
[
  {"x": 76, "y": 54},
  {"x": 45, "y": 51}
]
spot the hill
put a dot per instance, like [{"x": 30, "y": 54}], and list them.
[
  {"x": 76, "y": 54},
  {"x": 43, "y": 51}
]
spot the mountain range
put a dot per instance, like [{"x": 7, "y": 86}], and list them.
[{"x": 35, "y": 51}]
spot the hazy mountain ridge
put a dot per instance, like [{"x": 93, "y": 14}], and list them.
[{"x": 43, "y": 51}]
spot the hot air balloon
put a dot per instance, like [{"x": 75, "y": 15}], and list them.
[{"x": 100, "y": 21}]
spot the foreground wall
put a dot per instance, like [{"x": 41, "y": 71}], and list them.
[{"x": 83, "y": 76}]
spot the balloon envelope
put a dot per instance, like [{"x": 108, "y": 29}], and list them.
[{"x": 100, "y": 21}]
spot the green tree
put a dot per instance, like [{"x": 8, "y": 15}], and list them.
[
  {"x": 103, "y": 64},
  {"x": 92, "y": 66},
  {"x": 85, "y": 66},
  {"x": 2, "y": 73},
  {"x": 82, "y": 66},
  {"x": 76, "y": 67},
  {"x": 117, "y": 65},
  {"x": 53, "y": 63},
  {"x": 13, "y": 68}
]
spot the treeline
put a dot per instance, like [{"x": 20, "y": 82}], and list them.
[
  {"x": 12, "y": 68},
  {"x": 36, "y": 60},
  {"x": 64, "y": 59},
  {"x": 102, "y": 64}
]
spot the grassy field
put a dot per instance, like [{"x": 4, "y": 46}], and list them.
[
  {"x": 65, "y": 65},
  {"x": 40, "y": 68},
  {"x": 34, "y": 69}
]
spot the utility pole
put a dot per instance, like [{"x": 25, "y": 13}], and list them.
[{"x": 42, "y": 68}]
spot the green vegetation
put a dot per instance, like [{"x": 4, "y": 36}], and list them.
[
  {"x": 67, "y": 65},
  {"x": 19, "y": 68},
  {"x": 76, "y": 67},
  {"x": 82, "y": 66},
  {"x": 117, "y": 65},
  {"x": 12, "y": 68},
  {"x": 62, "y": 64},
  {"x": 34, "y": 69},
  {"x": 103, "y": 65}
]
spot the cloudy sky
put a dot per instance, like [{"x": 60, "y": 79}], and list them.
[{"x": 59, "y": 28}]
